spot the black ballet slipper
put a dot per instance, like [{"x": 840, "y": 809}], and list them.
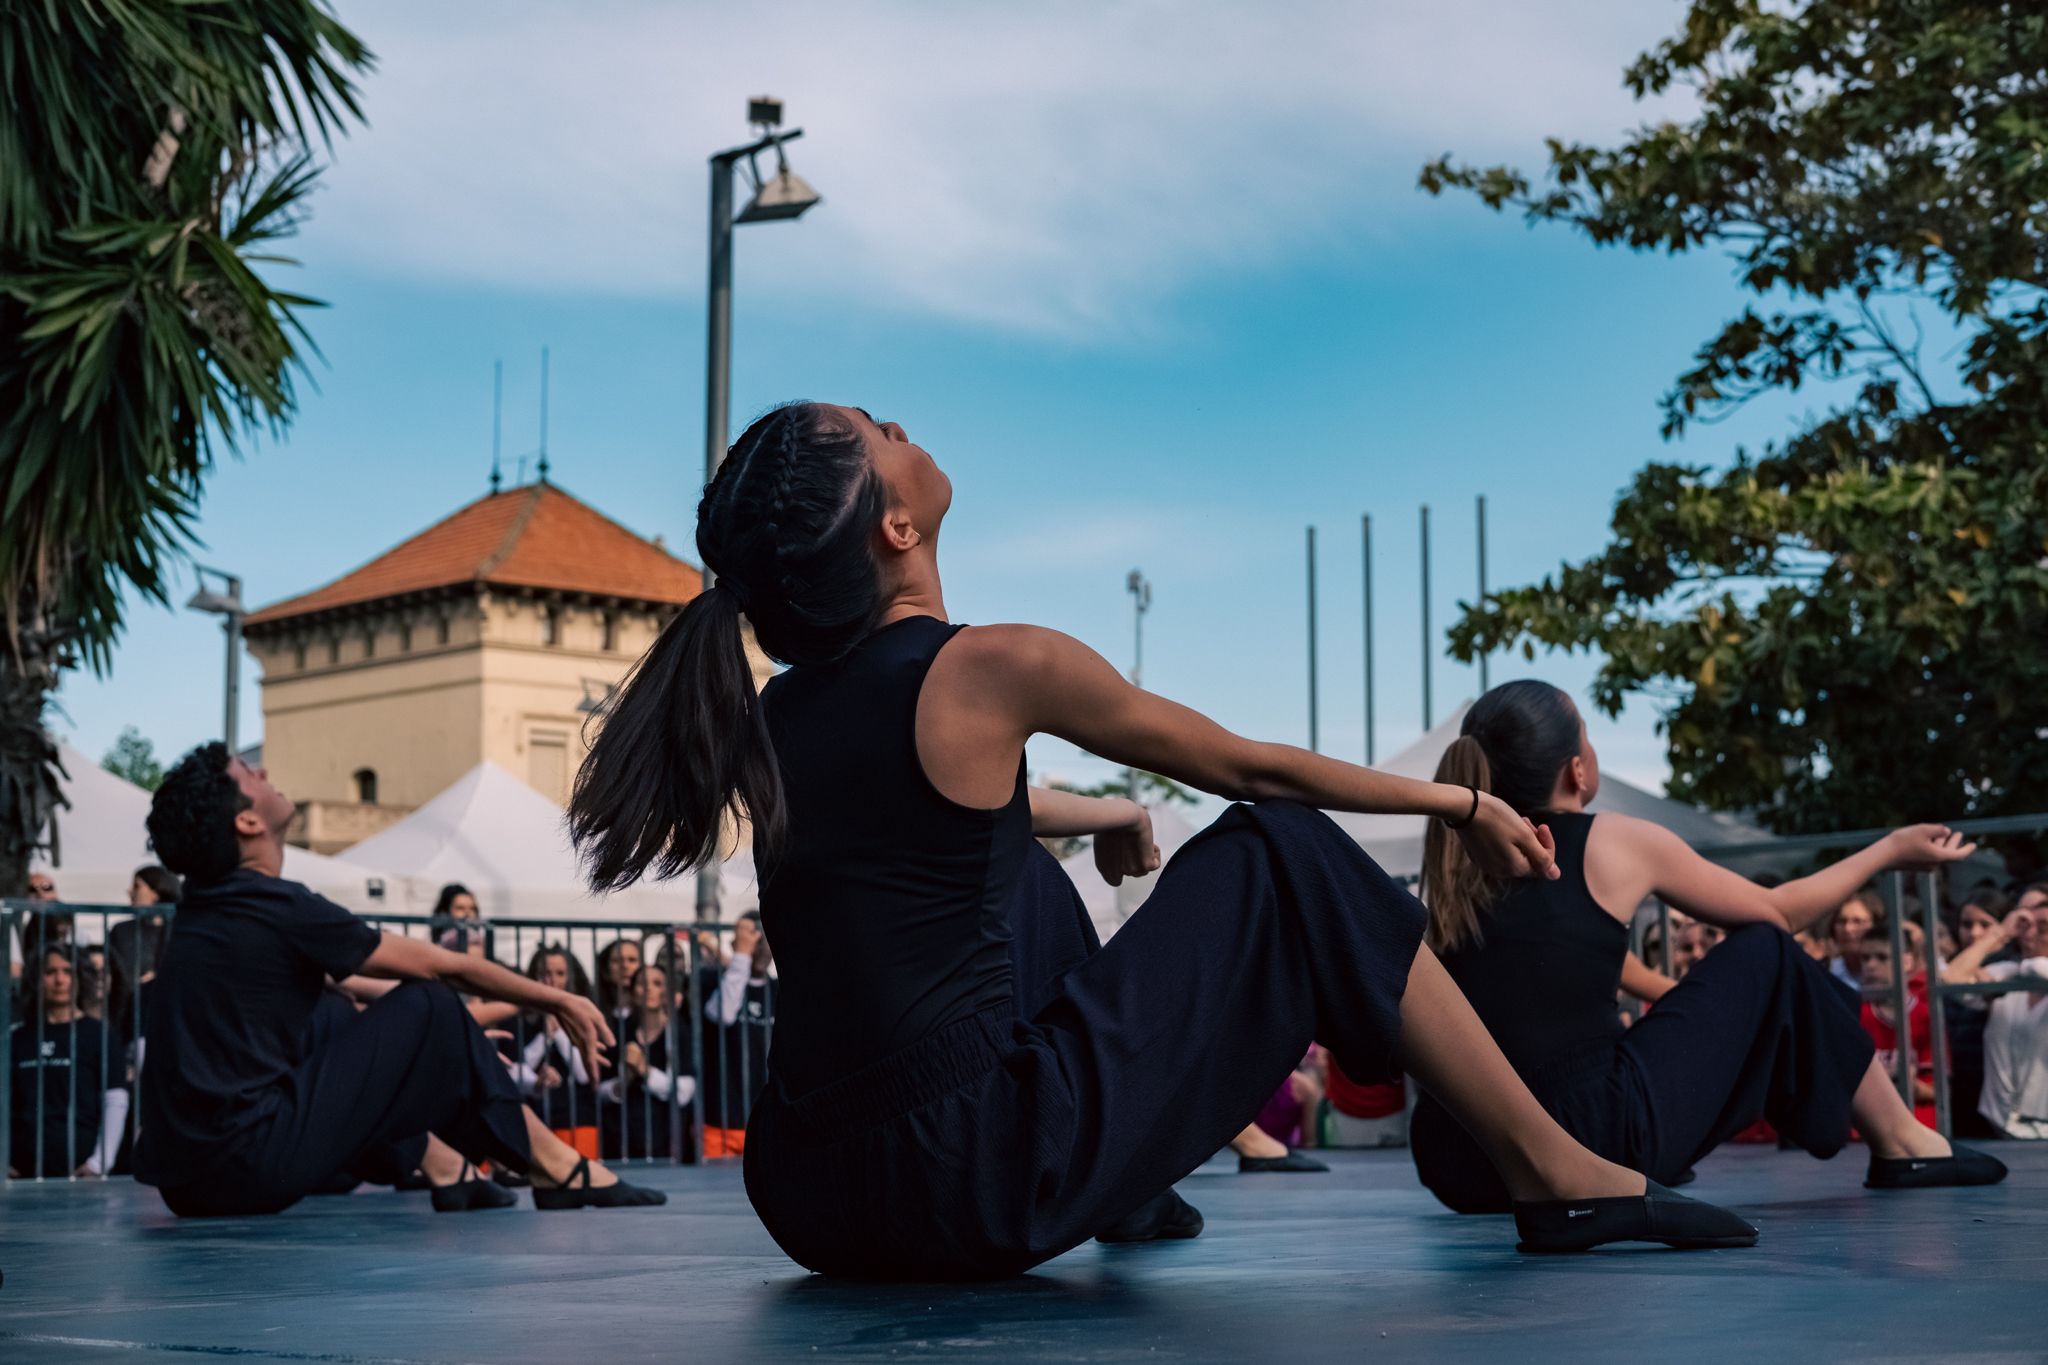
[
  {"x": 511, "y": 1180},
  {"x": 1965, "y": 1167},
  {"x": 1163, "y": 1218},
  {"x": 1293, "y": 1161},
  {"x": 469, "y": 1192},
  {"x": 1684, "y": 1178},
  {"x": 578, "y": 1193},
  {"x": 1656, "y": 1215}
]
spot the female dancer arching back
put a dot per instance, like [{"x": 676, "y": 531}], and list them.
[
  {"x": 1757, "y": 1029},
  {"x": 961, "y": 1084}
]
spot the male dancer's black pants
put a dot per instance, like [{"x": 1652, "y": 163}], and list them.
[{"x": 373, "y": 1081}]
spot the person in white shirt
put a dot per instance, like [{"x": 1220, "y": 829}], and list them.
[{"x": 2015, "y": 1095}]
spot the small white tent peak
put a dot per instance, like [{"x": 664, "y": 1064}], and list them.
[{"x": 510, "y": 845}]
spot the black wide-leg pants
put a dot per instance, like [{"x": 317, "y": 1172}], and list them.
[
  {"x": 1756, "y": 1030},
  {"x": 1010, "y": 1136},
  {"x": 371, "y": 1083}
]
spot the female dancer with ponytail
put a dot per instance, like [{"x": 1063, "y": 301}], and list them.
[
  {"x": 962, "y": 1085},
  {"x": 1755, "y": 1030}
]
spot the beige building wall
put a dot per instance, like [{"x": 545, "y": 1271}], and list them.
[{"x": 420, "y": 696}]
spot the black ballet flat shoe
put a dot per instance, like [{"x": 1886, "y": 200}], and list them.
[
  {"x": 1165, "y": 1218},
  {"x": 511, "y": 1180},
  {"x": 472, "y": 1191},
  {"x": 1964, "y": 1167},
  {"x": 1684, "y": 1178},
  {"x": 578, "y": 1193},
  {"x": 1656, "y": 1215},
  {"x": 1293, "y": 1161}
]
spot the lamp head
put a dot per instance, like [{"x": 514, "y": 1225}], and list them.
[{"x": 783, "y": 195}]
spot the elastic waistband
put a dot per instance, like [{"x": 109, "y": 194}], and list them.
[{"x": 936, "y": 1064}]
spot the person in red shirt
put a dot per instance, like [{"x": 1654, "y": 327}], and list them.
[{"x": 1880, "y": 1023}]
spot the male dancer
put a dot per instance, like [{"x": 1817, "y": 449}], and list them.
[{"x": 264, "y": 1083}]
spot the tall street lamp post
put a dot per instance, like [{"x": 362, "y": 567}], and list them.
[
  {"x": 225, "y": 601},
  {"x": 781, "y": 195}
]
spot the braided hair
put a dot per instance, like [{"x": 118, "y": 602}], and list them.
[{"x": 787, "y": 525}]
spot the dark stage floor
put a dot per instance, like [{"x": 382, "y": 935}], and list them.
[{"x": 1355, "y": 1263}]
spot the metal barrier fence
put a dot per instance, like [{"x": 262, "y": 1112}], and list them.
[
  {"x": 697, "y": 1069},
  {"x": 1899, "y": 994}
]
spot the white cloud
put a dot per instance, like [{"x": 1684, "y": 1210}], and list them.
[{"x": 1053, "y": 167}]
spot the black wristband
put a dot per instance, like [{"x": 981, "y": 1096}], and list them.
[{"x": 1470, "y": 815}]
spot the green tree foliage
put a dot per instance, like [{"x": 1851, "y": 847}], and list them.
[
  {"x": 133, "y": 758},
  {"x": 1848, "y": 627},
  {"x": 152, "y": 154}
]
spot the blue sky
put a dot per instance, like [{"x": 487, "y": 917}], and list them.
[{"x": 1153, "y": 283}]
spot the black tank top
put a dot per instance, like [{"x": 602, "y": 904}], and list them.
[
  {"x": 1544, "y": 975},
  {"x": 887, "y": 910}
]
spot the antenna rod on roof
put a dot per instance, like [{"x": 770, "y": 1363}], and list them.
[
  {"x": 543, "y": 414},
  {"x": 497, "y": 420}
]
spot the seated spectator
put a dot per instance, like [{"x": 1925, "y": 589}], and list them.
[
  {"x": 456, "y": 901},
  {"x": 2014, "y": 1097},
  {"x": 549, "y": 1068},
  {"x": 1853, "y": 923},
  {"x": 34, "y": 929},
  {"x": 615, "y": 968},
  {"x": 648, "y": 1085},
  {"x": 1363, "y": 1115},
  {"x": 153, "y": 885},
  {"x": 739, "y": 1007},
  {"x": 1291, "y": 1119},
  {"x": 54, "y": 1075},
  {"x": 1880, "y": 1019}
]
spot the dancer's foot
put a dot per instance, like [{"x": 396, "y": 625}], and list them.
[
  {"x": 1909, "y": 1140},
  {"x": 593, "y": 1187},
  {"x": 1257, "y": 1144},
  {"x": 1962, "y": 1166},
  {"x": 470, "y": 1191},
  {"x": 1288, "y": 1160},
  {"x": 1165, "y": 1217},
  {"x": 1655, "y": 1215}
]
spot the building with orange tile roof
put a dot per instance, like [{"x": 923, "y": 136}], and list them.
[{"x": 491, "y": 635}]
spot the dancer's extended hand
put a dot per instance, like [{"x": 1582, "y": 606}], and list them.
[
  {"x": 1506, "y": 844},
  {"x": 1922, "y": 848},
  {"x": 585, "y": 1024},
  {"x": 1128, "y": 851}
]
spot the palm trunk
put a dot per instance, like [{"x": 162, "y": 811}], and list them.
[{"x": 30, "y": 769}]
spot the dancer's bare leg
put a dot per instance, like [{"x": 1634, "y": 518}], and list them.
[
  {"x": 1887, "y": 1124},
  {"x": 442, "y": 1165},
  {"x": 1256, "y": 1142},
  {"x": 554, "y": 1159},
  {"x": 1447, "y": 1050}
]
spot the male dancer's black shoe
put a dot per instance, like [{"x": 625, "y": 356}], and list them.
[
  {"x": 1293, "y": 1161},
  {"x": 578, "y": 1193},
  {"x": 1655, "y": 1215},
  {"x": 471, "y": 1191},
  {"x": 1964, "y": 1167},
  {"x": 1164, "y": 1217}
]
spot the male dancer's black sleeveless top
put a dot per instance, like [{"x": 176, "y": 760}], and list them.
[
  {"x": 887, "y": 910},
  {"x": 1544, "y": 975}
]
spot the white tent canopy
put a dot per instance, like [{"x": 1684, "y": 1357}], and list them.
[
  {"x": 510, "y": 845},
  {"x": 1395, "y": 841},
  {"x": 102, "y": 838},
  {"x": 1109, "y": 906}
]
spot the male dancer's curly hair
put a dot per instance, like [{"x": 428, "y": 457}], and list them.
[{"x": 192, "y": 816}]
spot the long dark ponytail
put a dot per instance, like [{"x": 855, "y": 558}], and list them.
[
  {"x": 787, "y": 527},
  {"x": 1513, "y": 743}
]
